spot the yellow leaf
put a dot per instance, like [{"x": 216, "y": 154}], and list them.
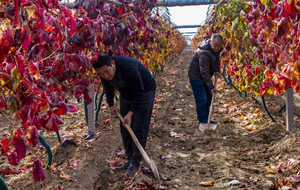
[
  {"x": 271, "y": 171},
  {"x": 207, "y": 184},
  {"x": 12, "y": 107},
  {"x": 15, "y": 76},
  {"x": 257, "y": 110},
  {"x": 184, "y": 155}
]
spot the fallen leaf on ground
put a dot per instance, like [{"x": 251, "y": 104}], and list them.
[
  {"x": 291, "y": 162},
  {"x": 280, "y": 168},
  {"x": 207, "y": 184},
  {"x": 256, "y": 111},
  {"x": 177, "y": 135},
  {"x": 65, "y": 176},
  {"x": 271, "y": 171},
  {"x": 183, "y": 155}
]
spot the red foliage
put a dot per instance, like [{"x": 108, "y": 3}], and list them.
[
  {"x": 19, "y": 144},
  {"x": 33, "y": 135},
  {"x": 37, "y": 170}
]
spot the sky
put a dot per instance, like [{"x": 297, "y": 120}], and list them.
[{"x": 188, "y": 15}]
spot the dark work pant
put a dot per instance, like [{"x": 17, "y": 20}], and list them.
[
  {"x": 139, "y": 125},
  {"x": 203, "y": 98}
]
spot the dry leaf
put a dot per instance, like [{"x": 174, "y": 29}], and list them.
[
  {"x": 271, "y": 171},
  {"x": 183, "y": 155},
  {"x": 250, "y": 127},
  {"x": 280, "y": 168},
  {"x": 177, "y": 135},
  {"x": 65, "y": 176},
  {"x": 257, "y": 110},
  {"x": 207, "y": 184}
]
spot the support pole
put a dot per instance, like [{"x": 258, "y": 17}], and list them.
[
  {"x": 90, "y": 112},
  {"x": 172, "y": 3},
  {"x": 289, "y": 109}
]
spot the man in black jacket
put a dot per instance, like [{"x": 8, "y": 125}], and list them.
[
  {"x": 205, "y": 63},
  {"x": 137, "y": 92}
]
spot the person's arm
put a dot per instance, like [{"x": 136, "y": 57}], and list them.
[
  {"x": 109, "y": 91},
  {"x": 204, "y": 63}
]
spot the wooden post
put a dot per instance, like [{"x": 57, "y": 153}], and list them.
[{"x": 289, "y": 109}]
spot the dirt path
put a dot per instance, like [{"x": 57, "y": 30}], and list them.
[{"x": 246, "y": 146}]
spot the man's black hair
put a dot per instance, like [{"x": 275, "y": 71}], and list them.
[
  {"x": 103, "y": 59},
  {"x": 217, "y": 35}
]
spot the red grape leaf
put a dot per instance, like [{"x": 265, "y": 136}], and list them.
[
  {"x": 87, "y": 98},
  {"x": 3, "y": 104},
  {"x": 5, "y": 43},
  {"x": 33, "y": 135},
  {"x": 257, "y": 68},
  {"x": 69, "y": 108},
  {"x": 72, "y": 24},
  {"x": 37, "y": 170},
  {"x": 26, "y": 37},
  {"x": 13, "y": 158},
  {"x": 4, "y": 144},
  {"x": 284, "y": 57},
  {"x": 19, "y": 144},
  {"x": 282, "y": 27},
  {"x": 54, "y": 122}
]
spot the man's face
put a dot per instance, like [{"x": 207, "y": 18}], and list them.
[
  {"x": 216, "y": 44},
  {"x": 107, "y": 72}
]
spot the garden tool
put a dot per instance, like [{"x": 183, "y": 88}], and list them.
[
  {"x": 208, "y": 125},
  {"x": 149, "y": 161}
]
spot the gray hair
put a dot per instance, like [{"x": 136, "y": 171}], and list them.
[{"x": 217, "y": 35}]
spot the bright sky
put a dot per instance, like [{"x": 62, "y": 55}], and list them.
[{"x": 188, "y": 15}]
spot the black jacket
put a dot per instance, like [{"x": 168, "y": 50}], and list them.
[
  {"x": 204, "y": 64},
  {"x": 132, "y": 79}
]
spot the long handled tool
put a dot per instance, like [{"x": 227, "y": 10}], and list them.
[
  {"x": 139, "y": 146},
  {"x": 204, "y": 126}
]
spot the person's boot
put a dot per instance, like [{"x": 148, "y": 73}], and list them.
[
  {"x": 131, "y": 170},
  {"x": 123, "y": 167}
]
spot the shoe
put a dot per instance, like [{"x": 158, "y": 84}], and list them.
[
  {"x": 213, "y": 122},
  {"x": 89, "y": 136},
  {"x": 123, "y": 167},
  {"x": 131, "y": 170}
]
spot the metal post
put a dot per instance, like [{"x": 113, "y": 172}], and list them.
[
  {"x": 289, "y": 109},
  {"x": 91, "y": 111}
]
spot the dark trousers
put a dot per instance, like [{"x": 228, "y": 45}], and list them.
[
  {"x": 139, "y": 125},
  {"x": 203, "y": 98}
]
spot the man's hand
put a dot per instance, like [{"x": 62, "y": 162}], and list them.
[
  {"x": 113, "y": 110},
  {"x": 127, "y": 118},
  {"x": 213, "y": 91}
]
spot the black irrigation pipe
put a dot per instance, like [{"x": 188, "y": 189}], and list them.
[
  {"x": 58, "y": 137},
  {"x": 282, "y": 108},
  {"x": 267, "y": 110},
  {"x": 99, "y": 105},
  {"x": 229, "y": 81},
  {"x": 3, "y": 185},
  {"x": 48, "y": 149},
  {"x": 85, "y": 112}
]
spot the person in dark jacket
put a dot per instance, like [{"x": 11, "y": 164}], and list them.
[
  {"x": 137, "y": 89},
  {"x": 205, "y": 63}
]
